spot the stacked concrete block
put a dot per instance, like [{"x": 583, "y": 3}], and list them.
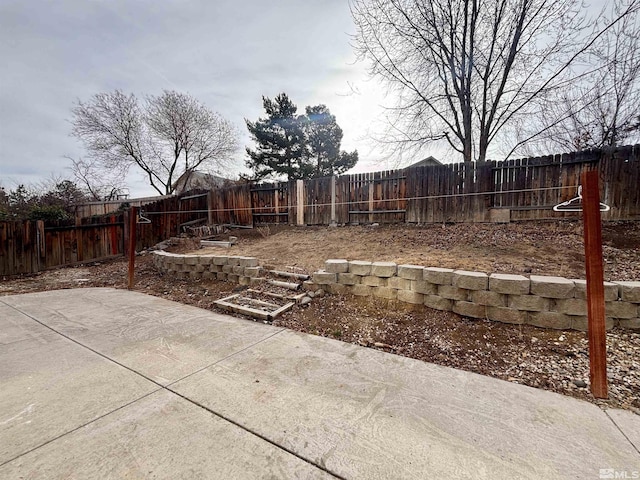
[
  {"x": 398, "y": 283},
  {"x": 247, "y": 261},
  {"x": 361, "y": 290},
  {"x": 191, "y": 260},
  {"x": 529, "y": 303},
  {"x": 438, "y": 303},
  {"x": 629, "y": 291},
  {"x": 581, "y": 323},
  {"x": 452, "y": 292},
  {"x": 488, "y": 298},
  {"x": 383, "y": 269},
  {"x": 324, "y": 278},
  {"x": 220, "y": 260},
  {"x": 238, "y": 270},
  {"x": 509, "y": 284},
  {"x": 336, "y": 266},
  {"x": 385, "y": 292},
  {"x": 410, "y": 296},
  {"x": 552, "y": 287},
  {"x": 225, "y": 268},
  {"x": 360, "y": 268},
  {"x": 470, "y": 280},
  {"x": 253, "y": 272},
  {"x": 571, "y": 306},
  {"x": 470, "y": 309},
  {"x": 233, "y": 261},
  {"x": 424, "y": 287},
  {"x": 439, "y": 276},
  {"x": 507, "y": 315},
  {"x": 411, "y": 272},
  {"x": 550, "y": 320},
  {"x": 373, "y": 281},
  {"x": 543, "y": 301},
  {"x": 611, "y": 290},
  {"x": 348, "y": 278},
  {"x": 337, "y": 288}
]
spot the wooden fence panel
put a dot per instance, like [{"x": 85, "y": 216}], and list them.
[
  {"x": 317, "y": 201},
  {"x": 619, "y": 181},
  {"x": 231, "y": 206},
  {"x": 18, "y": 248},
  {"x": 28, "y": 247},
  {"x": 342, "y": 198},
  {"x": 270, "y": 202}
]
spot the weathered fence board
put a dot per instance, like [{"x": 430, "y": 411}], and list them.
[
  {"x": 270, "y": 202},
  {"x": 28, "y": 247}
]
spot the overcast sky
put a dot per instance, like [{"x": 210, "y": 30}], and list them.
[{"x": 226, "y": 53}]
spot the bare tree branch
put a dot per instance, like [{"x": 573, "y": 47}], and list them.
[
  {"x": 171, "y": 135},
  {"x": 475, "y": 68}
]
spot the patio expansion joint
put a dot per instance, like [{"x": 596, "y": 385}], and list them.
[{"x": 621, "y": 431}]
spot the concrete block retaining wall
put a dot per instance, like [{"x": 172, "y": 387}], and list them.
[
  {"x": 549, "y": 302},
  {"x": 241, "y": 270}
]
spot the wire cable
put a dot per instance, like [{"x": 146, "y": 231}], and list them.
[{"x": 327, "y": 204}]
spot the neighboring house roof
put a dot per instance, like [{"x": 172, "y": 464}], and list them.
[
  {"x": 426, "y": 162},
  {"x": 197, "y": 180}
]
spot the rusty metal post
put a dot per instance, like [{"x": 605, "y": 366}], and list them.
[
  {"x": 133, "y": 218},
  {"x": 595, "y": 284}
]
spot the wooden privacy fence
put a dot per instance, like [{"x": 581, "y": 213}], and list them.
[
  {"x": 521, "y": 189},
  {"x": 32, "y": 246}
]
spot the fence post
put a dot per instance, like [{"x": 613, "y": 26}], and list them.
[
  {"x": 595, "y": 284},
  {"x": 300, "y": 201},
  {"x": 333, "y": 200},
  {"x": 210, "y": 208},
  {"x": 371, "y": 187},
  {"x": 276, "y": 201},
  {"x": 133, "y": 214}
]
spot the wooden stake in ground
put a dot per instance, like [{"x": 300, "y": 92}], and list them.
[
  {"x": 133, "y": 220},
  {"x": 595, "y": 284}
]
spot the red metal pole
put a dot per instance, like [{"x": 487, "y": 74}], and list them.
[
  {"x": 595, "y": 284},
  {"x": 133, "y": 218}
]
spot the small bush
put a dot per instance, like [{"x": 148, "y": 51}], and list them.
[{"x": 49, "y": 213}]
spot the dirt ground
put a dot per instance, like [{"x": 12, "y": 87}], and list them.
[
  {"x": 542, "y": 248},
  {"x": 549, "y": 359}
]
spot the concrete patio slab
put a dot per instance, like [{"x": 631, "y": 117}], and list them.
[
  {"x": 162, "y": 436},
  {"x": 103, "y": 383},
  {"x": 367, "y": 414},
  {"x": 148, "y": 334},
  {"x": 50, "y": 385}
]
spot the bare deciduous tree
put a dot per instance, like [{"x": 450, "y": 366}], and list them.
[
  {"x": 98, "y": 182},
  {"x": 170, "y": 135},
  {"x": 602, "y": 109},
  {"x": 462, "y": 71}
]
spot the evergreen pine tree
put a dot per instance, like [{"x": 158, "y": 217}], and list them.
[
  {"x": 296, "y": 146},
  {"x": 323, "y": 137},
  {"x": 280, "y": 142}
]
